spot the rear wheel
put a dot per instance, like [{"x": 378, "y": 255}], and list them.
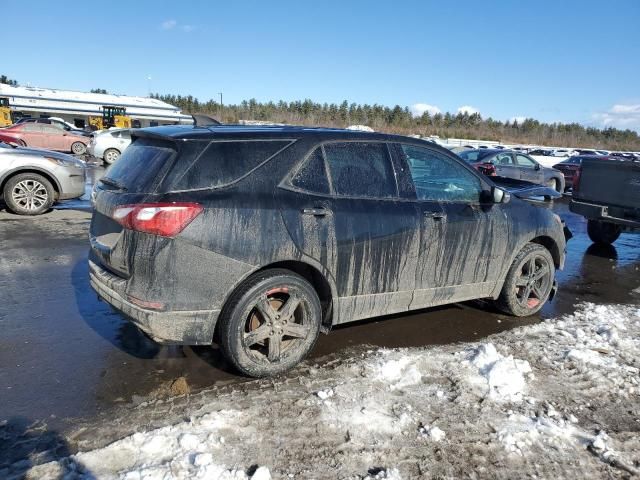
[
  {"x": 28, "y": 194},
  {"x": 528, "y": 283},
  {"x": 78, "y": 148},
  {"x": 603, "y": 233},
  {"x": 111, "y": 155},
  {"x": 270, "y": 323}
]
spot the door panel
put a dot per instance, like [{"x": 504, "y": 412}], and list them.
[
  {"x": 505, "y": 166},
  {"x": 528, "y": 170}
]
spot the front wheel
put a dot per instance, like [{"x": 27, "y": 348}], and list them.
[
  {"x": 28, "y": 194},
  {"x": 270, "y": 323},
  {"x": 528, "y": 283},
  {"x": 603, "y": 233}
]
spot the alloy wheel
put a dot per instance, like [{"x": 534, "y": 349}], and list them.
[
  {"x": 30, "y": 195},
  {"x": 533, "y": 283}
]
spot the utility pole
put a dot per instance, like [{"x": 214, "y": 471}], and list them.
[{"x": 220, "y": 93}]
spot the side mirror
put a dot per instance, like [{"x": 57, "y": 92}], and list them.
[
  {"x": 499, "y": 195},
  {"x": 537, "y": 167}
]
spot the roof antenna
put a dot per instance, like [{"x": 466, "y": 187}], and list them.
[{"x": 201, "y": 120}]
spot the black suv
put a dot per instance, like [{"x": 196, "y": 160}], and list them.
[{"x": 263, "y": 236}]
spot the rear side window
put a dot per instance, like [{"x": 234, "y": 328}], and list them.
[
  {"x": 361, "y": 169},
  {"x": 139, "y": 166},
  {"x": 312, "y": 176},
  {"x": 222, "y": 163}
]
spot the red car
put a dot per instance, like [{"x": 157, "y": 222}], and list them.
[
  {"x": 41, "y": 135},
  {"x": 570, "y": 167}
]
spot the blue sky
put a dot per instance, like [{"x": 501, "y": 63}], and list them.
[{"x": 550, "y": 60}]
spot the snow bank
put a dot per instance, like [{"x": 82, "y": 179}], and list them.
[{"x": 534, "y": 401}]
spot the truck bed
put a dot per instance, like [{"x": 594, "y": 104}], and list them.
[{"x": 614, "y": 183}]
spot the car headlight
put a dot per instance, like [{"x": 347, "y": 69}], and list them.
[{"x": 65, "y": 162}]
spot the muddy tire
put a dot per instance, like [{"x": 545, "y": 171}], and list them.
[
  {"x": 110, "y": 156},
  {"x": 270, "y": 323},
  {"x": 78, "y": 148},
  {"x": 603, "y": 233},
  {"x": 528, "y": 283},
  {"x": 28, "y": 194}
]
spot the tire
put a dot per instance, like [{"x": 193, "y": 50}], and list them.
[
  {"x": 603, "y": 233},
  {"x": 527, "y": 285},
  {"x": 28, "y": 194},
  {"x": 553, "y": 183},
  {"x": 78, "y": 148},
  {"x": 256, "y": 331},
  {"x": 110, "y": 156}
]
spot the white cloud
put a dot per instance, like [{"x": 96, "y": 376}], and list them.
[
  {"x": 188, "y": 28},
  {"x": 468, "y": 109},
  {"x": 620, "y": 116},
  {"x": 518, "y": 119},
  {"x": 168, "y": 24},
  {"x": 417, "y": 109}
]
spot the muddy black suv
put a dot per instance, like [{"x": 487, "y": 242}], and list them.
[{"x": 261, "y": 237}]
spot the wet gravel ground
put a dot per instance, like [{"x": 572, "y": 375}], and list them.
[{"x": 67, "y": 357}]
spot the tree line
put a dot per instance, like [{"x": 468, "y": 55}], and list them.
[{"x": 400, "y": 120}]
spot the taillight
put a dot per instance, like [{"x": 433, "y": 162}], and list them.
[
  {"x": 576, "y": 179},
  {"x": 163, "y": 219}
]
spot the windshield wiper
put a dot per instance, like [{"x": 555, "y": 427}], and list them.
[{"x": 113, "y": 183}]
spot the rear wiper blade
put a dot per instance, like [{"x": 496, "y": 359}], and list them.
[{"x": 113, "y": 183}]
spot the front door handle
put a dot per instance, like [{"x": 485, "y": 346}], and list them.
[
  {"x": 435, "y": 215},
  {"x": 316, "y": 212}
]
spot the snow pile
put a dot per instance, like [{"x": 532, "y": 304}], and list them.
[
  {"x": 441, "y": 412},
  {"x": 360, "y": 128},
  {"x": 504, "y": 376}
]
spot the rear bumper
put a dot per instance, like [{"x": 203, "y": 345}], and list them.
[
  {"x": 602, "y": 212},
  {"x": 173, "y": 327}
]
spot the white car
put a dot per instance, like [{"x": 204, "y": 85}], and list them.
[{"x": 108, "y": 145}]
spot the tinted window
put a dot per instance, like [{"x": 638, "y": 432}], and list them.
[
  {"x": 440, "y": 178},
  {"x": 525, "y": 161},
  {"x": 361, "y": 169},
  {"x": 473, "y": 156},
  {"x": 312, "y": 176},
  {"x": 139, "y": 166},
  {"x": 505, "y": 159},
  {"x": 30, "y": 127},
  {"x": 222, "y": 163}
]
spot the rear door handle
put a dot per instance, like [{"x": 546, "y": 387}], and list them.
[
  {"x": 316, "y": 212},
  {"x": 435, "y": 215}
]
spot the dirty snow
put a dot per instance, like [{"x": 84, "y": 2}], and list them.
[{"x": 555, "y": 399}]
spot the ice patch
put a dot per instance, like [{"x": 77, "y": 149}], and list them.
[{"x": 398, "y": 373}]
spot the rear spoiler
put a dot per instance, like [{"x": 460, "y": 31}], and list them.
[{"x": 201, "y": 120}]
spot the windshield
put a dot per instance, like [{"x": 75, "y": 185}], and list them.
[{"x": 473, "y": 156}]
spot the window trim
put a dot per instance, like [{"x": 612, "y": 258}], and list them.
[{"x": 484, "y": 185}]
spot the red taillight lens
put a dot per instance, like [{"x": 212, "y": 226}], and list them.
[
  {"x": 163, "y": 219},
  {"x": 576, "y": 179}
]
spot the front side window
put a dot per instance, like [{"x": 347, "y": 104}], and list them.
[
  {"x": 504, "y": 159},
  {"x": 361, "y": 169},
  {"x": 439, "y": 178},
  {"x": 525, "y": 161},
  {"x": 312, "y": 175}
]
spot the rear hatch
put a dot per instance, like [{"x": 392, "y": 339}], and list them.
[{"x": 134, "y": 179}]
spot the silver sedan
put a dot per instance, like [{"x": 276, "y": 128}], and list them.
[{"x": 32, "y": 179}]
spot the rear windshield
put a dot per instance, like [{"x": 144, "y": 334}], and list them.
[
  {"x": 139, "y": 166},
  {"x": 224, "y": 162},
  {"x": 473, "y": 156}
]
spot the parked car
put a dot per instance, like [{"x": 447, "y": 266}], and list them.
[
  {"x": 56, "y": 122},
  {"x": 41, "y": 135},
  {"x": 32, "y": 180},
  {"x": 571, "y": 166},
  {"x": 264, "y": 236},
  {"x": 510, "y": 164},
  {"x": 607, "y": 194},
  {"x": 561, "y": 152},
  {"x": 541, "y": 152},
  {"x": 108, "y": 145}
]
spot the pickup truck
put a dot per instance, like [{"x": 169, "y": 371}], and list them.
[{"x": 607, "y": 194}]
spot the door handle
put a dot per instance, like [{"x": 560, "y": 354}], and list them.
[
  {"x": 316, "y": 212},
  {"x": 435, "y": 215}
]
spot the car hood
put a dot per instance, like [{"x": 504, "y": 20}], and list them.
[
  {"x": 41, "y": 152},
  {"x": 525, "y": 190}
]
